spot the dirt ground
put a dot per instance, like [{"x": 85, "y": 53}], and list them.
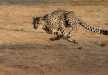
[{"x": 24, "y": 51}]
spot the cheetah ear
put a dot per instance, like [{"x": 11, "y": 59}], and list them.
[{"x": 34, "y": 17}]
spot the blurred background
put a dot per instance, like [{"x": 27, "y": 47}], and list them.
[
  {"x": 25, "y": 51},
  {"x": 52, "y": 1}
]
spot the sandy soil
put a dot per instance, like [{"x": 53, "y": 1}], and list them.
[{"x": 24, "y": 51}]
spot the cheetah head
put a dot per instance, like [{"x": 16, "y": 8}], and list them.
[{"x": 35, "y": 22}]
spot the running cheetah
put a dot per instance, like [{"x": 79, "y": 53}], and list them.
[{"x": 60, "y": 23}]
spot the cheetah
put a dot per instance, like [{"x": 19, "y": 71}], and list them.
[{"x": 60, "y": 23}]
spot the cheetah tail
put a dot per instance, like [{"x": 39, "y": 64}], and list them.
[
  {"x": 93, "y": 29},
  {"x": 104, "y": 32}
]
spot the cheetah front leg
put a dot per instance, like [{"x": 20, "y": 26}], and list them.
[
  {"x": 67, "y": 36},
  {"x": 56, "y": 36}
]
